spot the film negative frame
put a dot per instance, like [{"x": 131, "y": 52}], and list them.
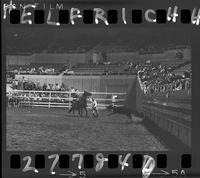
[{"x": 178, "y": 163}]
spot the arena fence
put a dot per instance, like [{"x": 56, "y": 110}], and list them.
[
  {"x": 61, "y": 99},
  {"x": 176, "y": 122}
]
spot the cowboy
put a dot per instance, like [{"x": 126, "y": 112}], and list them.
[
  {"x": 94, "y": 107},
  {"x": 114, "y": 97}
]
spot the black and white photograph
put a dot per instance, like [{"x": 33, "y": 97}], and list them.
[{"x": 91, "y": 89}]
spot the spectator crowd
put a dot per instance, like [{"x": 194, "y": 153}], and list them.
[
  {"x": 163, "y": 79},
  {"x": 35, "y": 69},
  {"x": 14, "y": 98}
]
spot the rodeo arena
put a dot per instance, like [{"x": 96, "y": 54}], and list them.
[{"x": 85, "y": 91}]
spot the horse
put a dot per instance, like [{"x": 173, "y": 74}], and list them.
[
  {"x": 74, "y": 105},
  {"x": 80, "y": 104}
]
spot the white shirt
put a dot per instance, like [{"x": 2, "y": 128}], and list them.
[{"x": 94, "y": 103}]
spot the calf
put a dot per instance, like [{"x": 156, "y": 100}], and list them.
[{"x": 124, "y": 111}]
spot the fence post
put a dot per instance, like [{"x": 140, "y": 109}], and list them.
[
  {"x": 69, "y": 99},
  {"x": 29, "y": 98},
  {"x": 33, "y": 97},
  {"x": 50, "y": 99}
]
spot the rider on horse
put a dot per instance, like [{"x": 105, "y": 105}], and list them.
[{"x": 79, "y": 102}]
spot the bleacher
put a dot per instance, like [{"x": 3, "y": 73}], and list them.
[
  {"x": 116, "y": 48},
  {"x": 57, "y": 66},
  {"x": 187, "y": 67},
  {"x": 99, "y": 69},
  {"x": 63, "y": 48},
  {"x": 37, "y": 69}
]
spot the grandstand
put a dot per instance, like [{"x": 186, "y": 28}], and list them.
[
  {"x": 99, "y": 69},
  {"x": 152, "y": 79}
]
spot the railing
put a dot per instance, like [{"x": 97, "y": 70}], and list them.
[
  {"x": 62, "y": 99},
  {"x": 140, "y": 82}
]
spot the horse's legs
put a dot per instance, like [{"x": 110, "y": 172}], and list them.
[
  {"x": 86, "y": 112},
  {"x": 80, "y": 112}
]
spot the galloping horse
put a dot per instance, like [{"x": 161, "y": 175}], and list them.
[{"x": 80, "y": 104}]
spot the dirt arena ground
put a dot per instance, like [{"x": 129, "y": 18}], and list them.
[{"x": 44, "y": 129}]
